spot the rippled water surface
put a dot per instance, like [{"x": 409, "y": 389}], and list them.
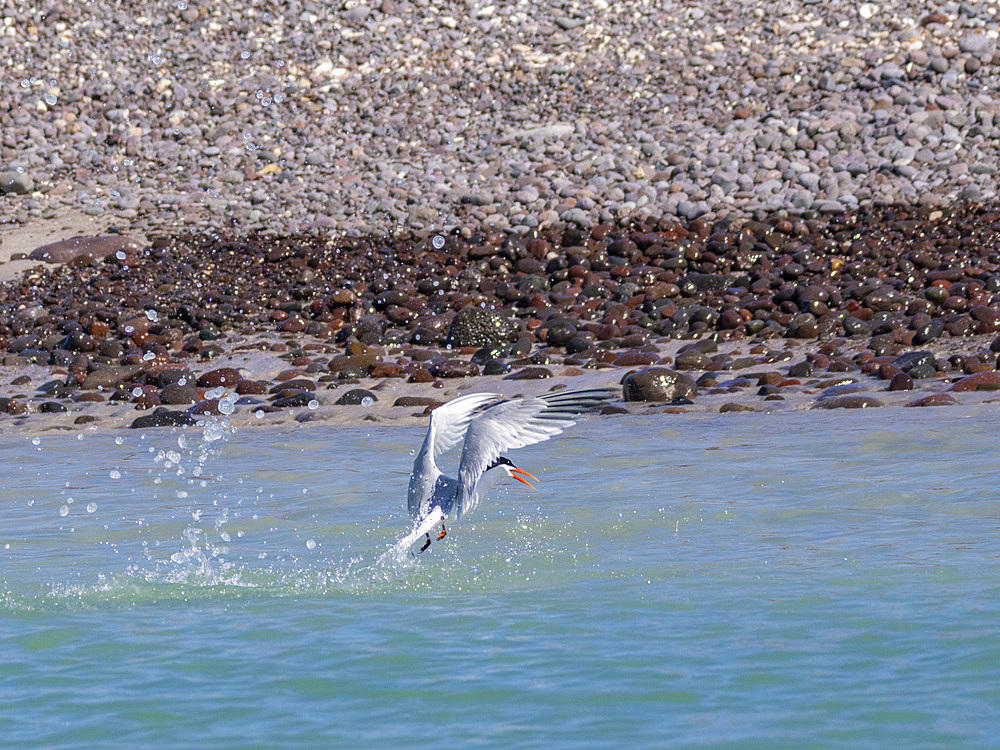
[{"x": 798, "y": 580}]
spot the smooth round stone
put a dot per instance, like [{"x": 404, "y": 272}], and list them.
[
  {"x": 801, "y": 370},
  {"x": 730, "y": 320},
  {"x": 110, "y": 376},
  {"x": 351, "y": 372},
  {"x": 496, "y": 367},
  {"x": 732, "y": 406},
  {"x": 251, "y": 388},
  {"x": 302, "y": 398},
  {"x": 54, "y": 388},
  {"x": 691, "y": 360},
  {"x": 16, "y": 183},
  {"x": 658, "y": 384},
  {"x": 973, "y": 382},
  {"x": 848, "y": 402},
  {"x": 52, "y": 407},
  {"x": 227, "y": 377},
  {"x": 854, "y": 327},
  {"x": 88, "y": 248},
  {"x": 162, "y": 417},
  {"x": 638, "y": 359},
  {"x": 454, "y": 368},
  {"x": 559, "y": 333},
  {"x": 922, "y": 362},
  {"x": 487, "y": 353},
  {"x": 530, "y": 373},
  {"x": 928, "y": 332},
  {"x": 578, "y": 344},
  {"x": 176, "y": 394},
  {"x": 901, "y": 382},
  {"x": 803, "y": 326},
  {"x": 355, "y": 397},
  {"x": 410, "y": 401},
  {"x": 935, "y": 399},
  {"x": 175, "y": 375},
  {"x": 477, "y": 326}
]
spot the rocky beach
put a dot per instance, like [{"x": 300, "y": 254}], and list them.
[{"x": 354, "y": 211}]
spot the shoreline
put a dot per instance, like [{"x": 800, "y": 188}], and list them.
[{"x": 684, "y": 317}]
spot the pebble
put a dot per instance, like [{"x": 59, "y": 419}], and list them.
[
  {"x": 87, "y": 248},
  {"x": 356, "y": 397},
  {"x": 658, "y": 384}
]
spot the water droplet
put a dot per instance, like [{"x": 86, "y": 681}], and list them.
[
  {"x": 36, "y": 441},
  {"x": 310, "y": 544},
  {"x": 148, "y": 356},
  {"x": 137, "y": 391},
  {"x": 64, "y": 510},
  {"x": 245, "y": 54},
  {"x": 367, "y": 401},
  {"x": 181, "y": 5},
  {"x": 259, "y": 414},
  {"x": 224, "y": 536},
  {"x": 313, "y": 404},
  {"x": 152, "y": 315},
  {"x": 182, "y": 493},
  {"x": 437, "y": 242},
  {"x": 50, "y": 99},
  {"x": 120, "y": 255},
  {"x": 91, "y": 507},
  {"x": 115, "y": 474},
  {"x": 227, "y": 405}
]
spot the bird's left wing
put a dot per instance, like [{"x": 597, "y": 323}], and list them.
[
  {"x": 516, "y": 424},
  {"x": 450, "y": 421}
]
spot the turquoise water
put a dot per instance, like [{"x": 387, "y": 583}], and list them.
[{"x": 799, "y": 580}]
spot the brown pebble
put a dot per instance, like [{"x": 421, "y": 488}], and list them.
[
  {"x": 454, "y": 368},
  {"x": 972, "y": 382},
  {"x": 421, "y": 376},
  {"x": 385, "y": 370},
  {"x": 411, "y": 401},
  {"x": 251, "y": 388},
  {"x": 90, "y": 248},
  {"x": 175, "y": 394},
  {"x": 901, "y": 382},
  {"x": 226, "y": 377},
  {"x": 530, "y": 373},
  {"x": 848, "y": 402},
  {"x": 731, "y": 406},
  {"x": 935, "y": 399}
]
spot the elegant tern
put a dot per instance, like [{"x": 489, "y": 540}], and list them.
[{"x": 486, "y": 426}]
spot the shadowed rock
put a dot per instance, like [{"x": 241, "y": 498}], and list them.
[{"x": 477, "y": 326}]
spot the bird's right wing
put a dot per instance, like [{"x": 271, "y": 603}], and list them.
[{"x": 516, "y": 424}]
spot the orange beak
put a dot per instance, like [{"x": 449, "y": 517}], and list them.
[{"x": 519, "y": 475}]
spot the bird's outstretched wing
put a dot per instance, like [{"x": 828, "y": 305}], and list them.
[
  {"x": 516, "y": 424},
  {"x": 447, "y": 427},
  {"x": 450, "y": 421}
]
